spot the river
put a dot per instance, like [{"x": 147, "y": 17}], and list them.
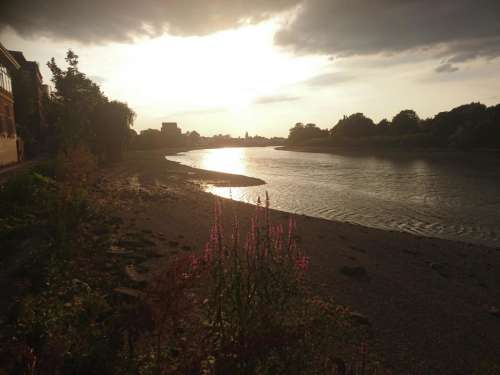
[{"x": 447, "y": 195}]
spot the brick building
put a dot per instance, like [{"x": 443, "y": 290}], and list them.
[
  {"x": 10, "y": 145},
  {"x": 30, "y": 95}
]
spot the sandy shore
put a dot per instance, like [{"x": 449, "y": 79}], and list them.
[{"x": 428, "y": 300}]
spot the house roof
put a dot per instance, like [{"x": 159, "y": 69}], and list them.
[
  {"x": 7, "y": 58},
  {"x": 25, "y": 64}
]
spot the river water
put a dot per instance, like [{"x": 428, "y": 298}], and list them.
[{"x": 447, "y": 195}]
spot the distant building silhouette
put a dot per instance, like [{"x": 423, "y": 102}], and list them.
[{"x": 170, "y": 129}]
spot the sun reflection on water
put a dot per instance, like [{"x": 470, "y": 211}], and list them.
[{"x": 226, "y": 160}]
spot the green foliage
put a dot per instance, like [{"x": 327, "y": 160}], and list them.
[
  {"x": 466, "y": 127},
  {"x": 405, "y": 122},
  {"x": 112, "y": 122},
  {"x": 300, "y": 133},
  {"x": 83, "y": 115},
  {"x": 71, "y": 326},
  {"x": 23, "y": 190},
  {"x": 354, "y": 126}
]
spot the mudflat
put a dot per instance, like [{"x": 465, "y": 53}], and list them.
[{"x": 432, "y": 304}]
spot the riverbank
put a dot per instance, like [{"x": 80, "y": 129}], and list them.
[
  {"x": 430, "y": 302},
  {"x": 411, "y": 152}
]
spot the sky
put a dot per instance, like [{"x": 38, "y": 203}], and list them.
[{"x": 236, "y": 66}]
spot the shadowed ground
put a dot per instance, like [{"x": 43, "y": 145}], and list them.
[{"x": 429, "y": 301}]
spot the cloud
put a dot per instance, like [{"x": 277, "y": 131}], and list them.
[
  {"x": 276, "y": 99},
  {"x": 460, "y": 29},
  {"x": 98, "y": 21},
  {"x": 98, "y": 79},
  {"x": 446, "y": 68},
  {"x": 329, "y": 79},
  {"x": 194, "y": 112}
]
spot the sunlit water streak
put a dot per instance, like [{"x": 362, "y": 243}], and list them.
[{"x": 448, "y": 195}]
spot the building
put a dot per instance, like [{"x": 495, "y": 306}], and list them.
[
  {"x": 171, "y": 134},
  {"x": 10, "y": 145},
  {"x": 170, "y": 129},
  {"x": 30, "y": 95}
]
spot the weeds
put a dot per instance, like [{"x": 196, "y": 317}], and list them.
[{"x": 241, "y": 306}]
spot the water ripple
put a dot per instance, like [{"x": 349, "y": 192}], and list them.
[{"x": 454, "y": 196}]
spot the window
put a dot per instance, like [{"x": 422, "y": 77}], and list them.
[
  {"x": 11, "y": 128},
  {"x": 3, "y": 130},
  {"x": 9, "y": 125},
  {"x": 5, "y": 81}
]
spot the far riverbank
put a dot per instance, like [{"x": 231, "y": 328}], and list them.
[{"x": 416, "y": 152}]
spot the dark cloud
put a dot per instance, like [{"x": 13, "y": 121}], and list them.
[
  {"x": 96, "y": 21},
  {"x": 446, "y": 68},
  {"x": 460, "y": 29},
  {"x": 276, "y": 99},
  {"x": 329, "y": 79}
]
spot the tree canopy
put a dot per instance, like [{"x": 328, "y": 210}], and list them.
[
  {"x": 82, "y": 114},
  {"x": 468, "y": 126}
]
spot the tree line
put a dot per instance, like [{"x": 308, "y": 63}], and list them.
[
  {"x": 469, "y": 126},
  {"x": 150, "y": 139}
]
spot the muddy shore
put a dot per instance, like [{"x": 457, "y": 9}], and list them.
[{"x": 430, "y": 302}]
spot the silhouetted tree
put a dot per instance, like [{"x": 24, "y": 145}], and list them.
[
  {"x": 446, "y": 124},
  {"x": 301, "y": 133},
  {"x": 465, "y": 127},
  {"x": 73, "y": 100},
  {"x": 405, "y": 122},
  {"x": 193, "y": 138},
  {"x": 83, "y": 115},
  {"x": 383, "y": 127},
  {"x": 356, "y": 125},
  {"x": 111, "y": 122}
]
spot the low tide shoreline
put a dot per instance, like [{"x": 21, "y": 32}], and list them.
[{"x": 429, "y": 301}]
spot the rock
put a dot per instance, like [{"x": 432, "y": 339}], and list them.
[
  {"x": 133, "y": 275},
  {"x": 359, "y": 319},
  {"x": 357, "y": 272},
  {"x": 115, "y": 250},
  {"x": 125, "y": 253},
  {"x": 129, "y": 292}
]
